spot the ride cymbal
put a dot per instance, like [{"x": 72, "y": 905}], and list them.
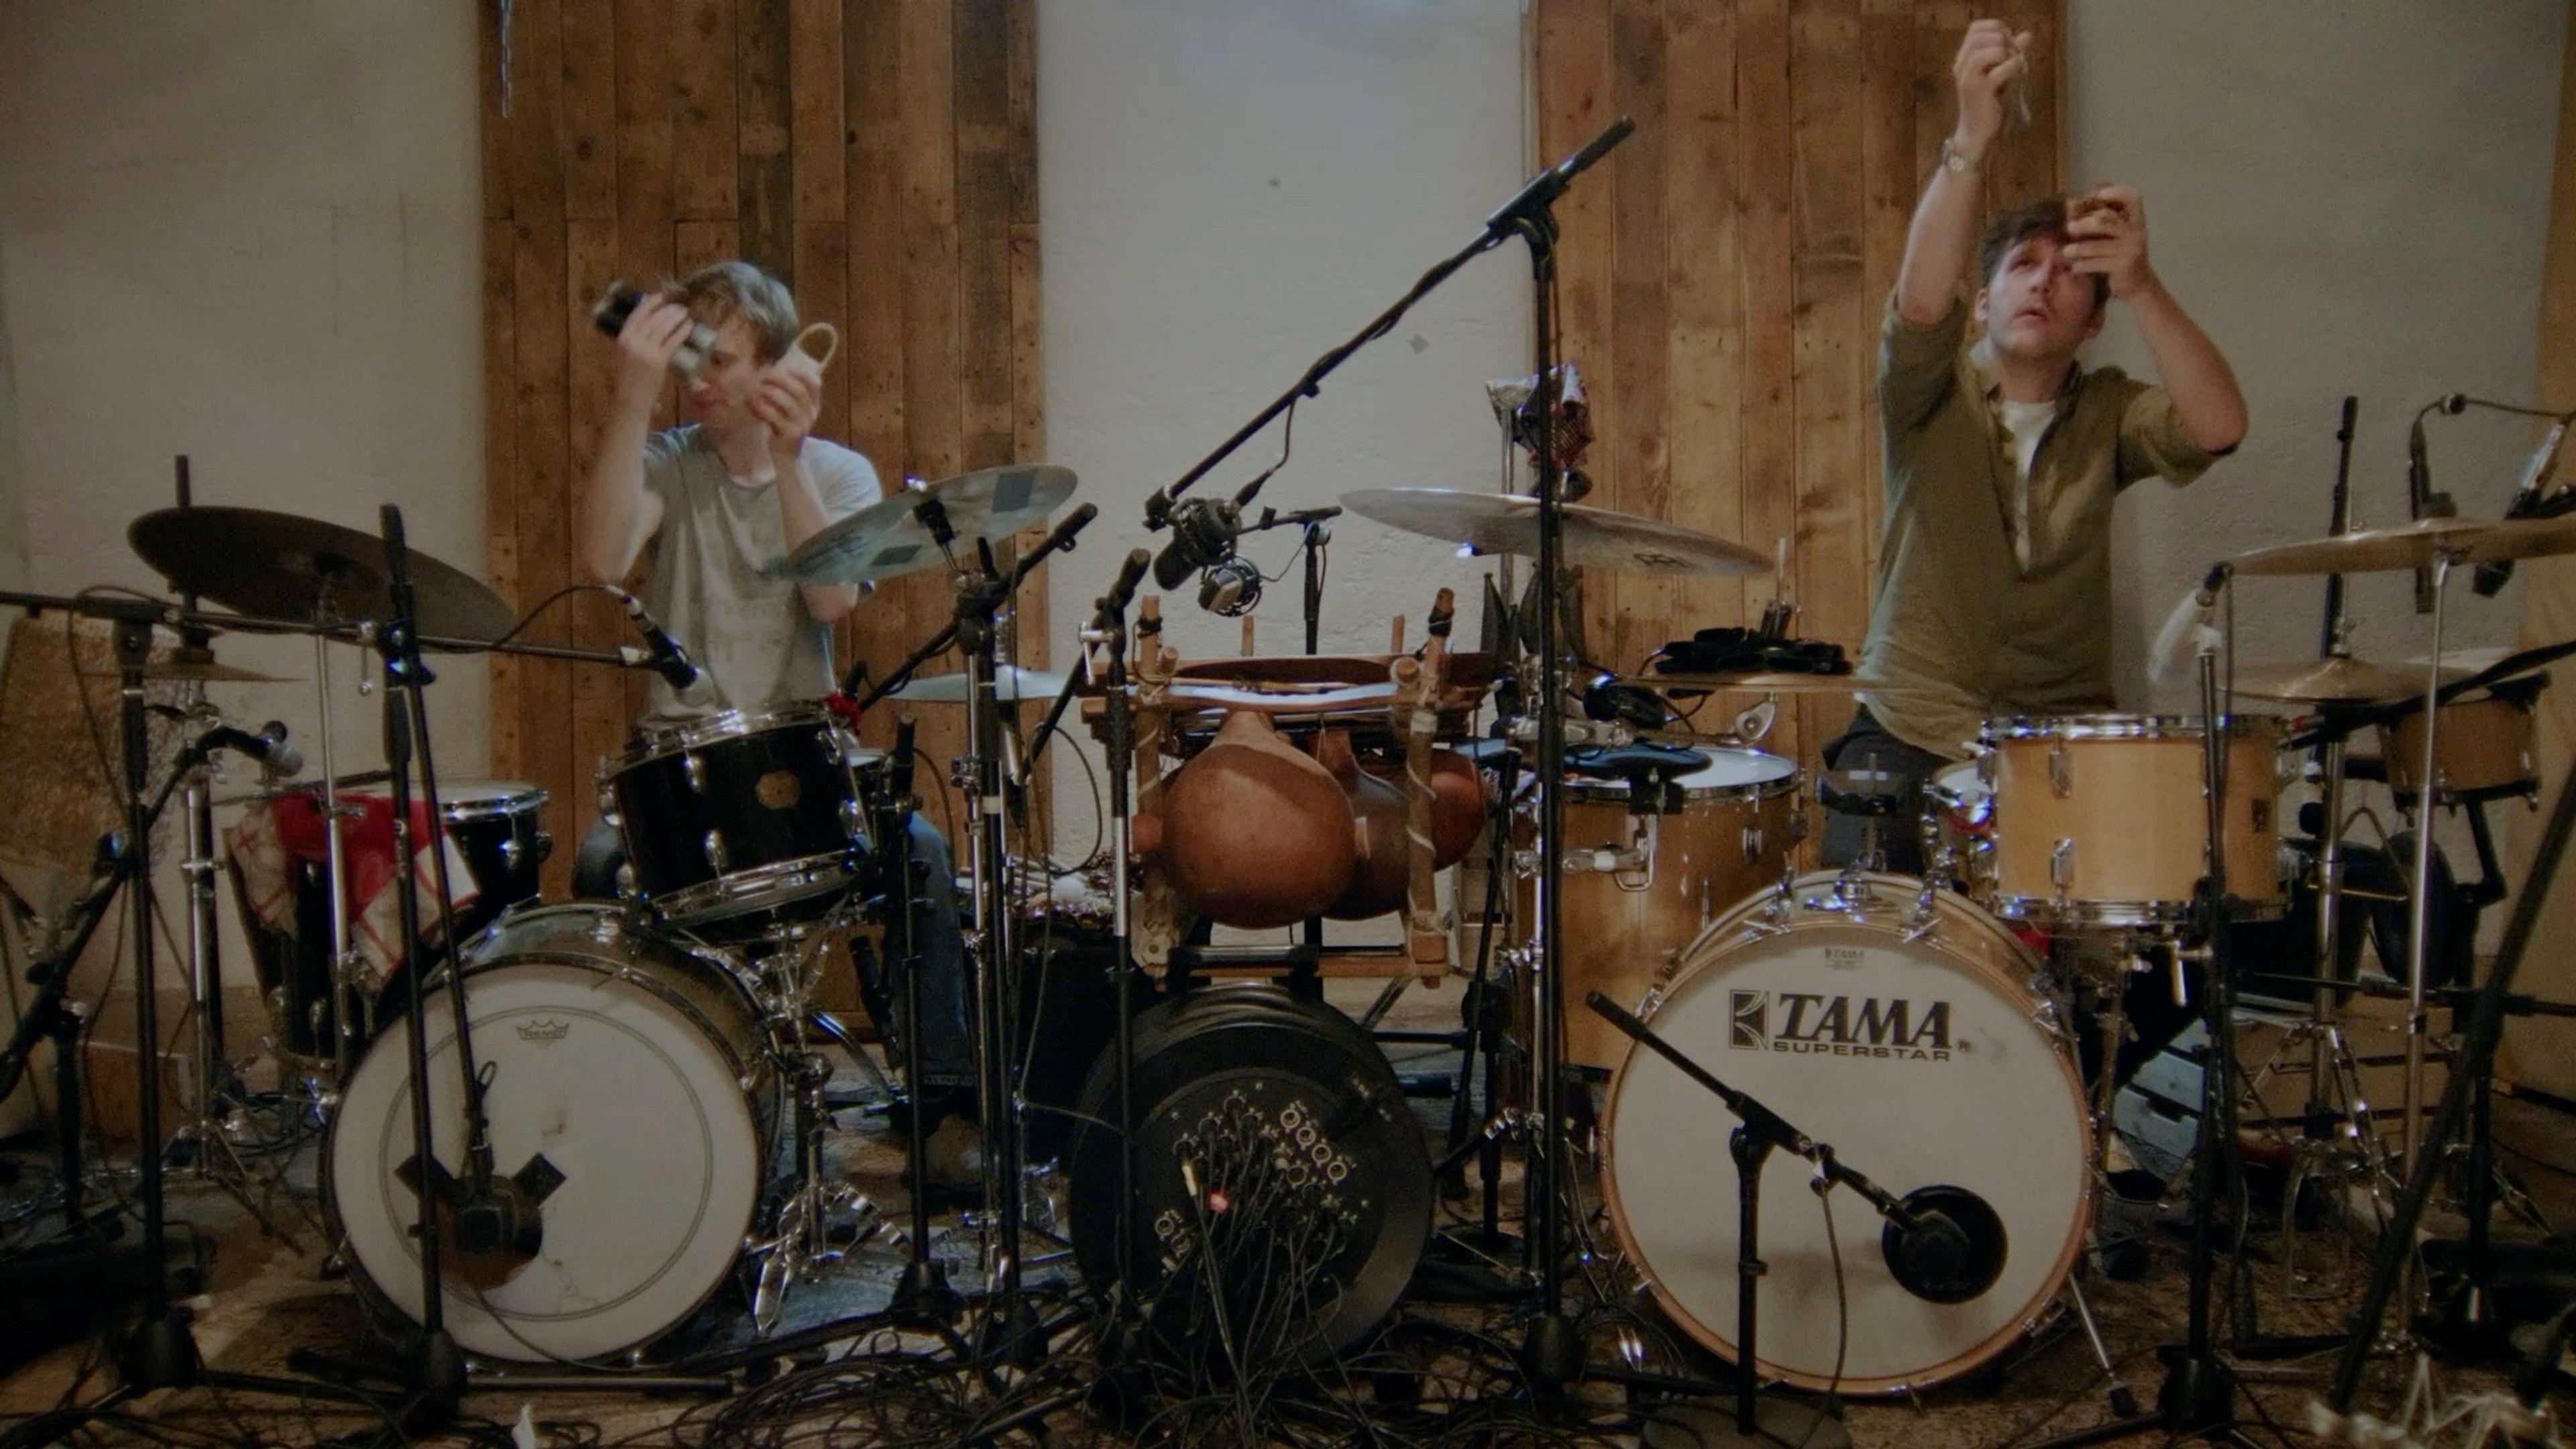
[
  {"x": 280, "y": 566},
  {"x": 1593, "y": 537},
  {"x": 2339, "y": 680},
  {"x": 2415, "y": 545}
]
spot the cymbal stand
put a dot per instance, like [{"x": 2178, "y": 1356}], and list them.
[
  {"x": 922, "y": 1296},
  {"x": 2419, "y": 911},
  {"x": 352, "y": 1010},
  {"x": 1011, "y": 1333}
]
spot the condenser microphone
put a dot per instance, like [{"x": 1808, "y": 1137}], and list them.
[
  {"x": 1953, "y": 1248},
  {"x": 662, "y": 653},
  {"x": 1203, "y": 534},
  {"x": 269, "y": 746}
]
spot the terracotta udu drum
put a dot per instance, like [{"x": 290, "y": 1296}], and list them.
[{"x": 2101, "y": 819}]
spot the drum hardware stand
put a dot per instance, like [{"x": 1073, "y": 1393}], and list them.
[
  {"x": 159, "y": 1351},
  {"x": 2473, "y": 1064},
  {"x": 1936, "y": 1246},
  {"x": 2197, "y": 1400},
  {"x": 1011, "y": 1332}
]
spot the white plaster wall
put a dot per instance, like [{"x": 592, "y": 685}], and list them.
[
  {"x": 245, "y": 230},
  {"x": 2352, "y": 198},
  {"x": 1229, "y": 187}
]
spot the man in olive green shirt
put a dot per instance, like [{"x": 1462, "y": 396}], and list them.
[{"x": 2004, "y": 456}]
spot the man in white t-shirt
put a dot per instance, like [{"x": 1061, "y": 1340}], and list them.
[{"x": 712, "y": 506}]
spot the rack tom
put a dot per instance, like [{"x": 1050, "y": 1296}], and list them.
[
  {"x": 2481, "y": 750},
  {"x": 2101, "y": 819},
  {"x": 742, "y": 821}
]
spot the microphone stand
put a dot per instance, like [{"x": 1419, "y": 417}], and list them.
[{"x": 1760, "y": 1420}]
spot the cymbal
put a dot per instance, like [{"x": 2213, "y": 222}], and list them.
[
  {"x": 887, "y": 539},
  {"x": 1757, "y": 682},
  {"x": 188, "y": 666},
  {"x": 1593, "y": 537},
  {"x": 274, "y": 566},
  {"x": 1010, "y": 684},
  {"x": 2340, "y": 680},
  {"x": 2414, "y": 545}
]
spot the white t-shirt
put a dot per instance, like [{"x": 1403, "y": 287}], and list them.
[{"x": 2028, "y": 423}]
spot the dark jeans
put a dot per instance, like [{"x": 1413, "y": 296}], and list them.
[
  {"x": 947, "y": 1038},
  {"x": 1901, "y": 769}
]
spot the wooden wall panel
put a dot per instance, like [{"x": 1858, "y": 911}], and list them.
[
  {"x": 879, "y": 155},
  {"x": 1723, "y": 276},
  {"x": 2540, "y": 1051}
]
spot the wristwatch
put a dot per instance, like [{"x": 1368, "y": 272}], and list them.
[{"x": 1955, "y": 163}]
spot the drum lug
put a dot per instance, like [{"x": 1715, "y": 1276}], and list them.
[
  {"x": 2061, "y": 866},
  {"x": 511, "y": 851},
  {"x": 718, "y": 857},
  {"x": 1925, "y": 918},
  {"x": 693, "y": 769},
  {"x": 1752, "y": 844},
  {"x": 2061, "y": 769},
  {"x": 854, "y": 816}
]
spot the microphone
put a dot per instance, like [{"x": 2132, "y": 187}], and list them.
[
  {"x": 662, "y": 653},
  {"x": 1948, "y": 1247},
  {"x": 1231, "y": 588},
  {"x": 269, "y": 746},
  {"x": 1123, "y": 588},
  {"x": 2421, "y": 501},
  {"x": 2206, "y": 596},
  {"x": 1544, "y": 188},
  {"x": 2493, "y": 576},
  {"x": 1203, "y": 534}
]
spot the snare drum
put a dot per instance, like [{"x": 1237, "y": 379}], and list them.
[
  {"x": 1638, "y": 888},
  {"x": 2481, "y": 750},
  {"x": 739, "y": 822},
  {"x": 2102, "y": 820}
]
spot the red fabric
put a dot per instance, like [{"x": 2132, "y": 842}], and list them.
[{"x": 272, "y": 836}]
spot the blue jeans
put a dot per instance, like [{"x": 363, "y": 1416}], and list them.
[{"x": 947, "y": 1034}]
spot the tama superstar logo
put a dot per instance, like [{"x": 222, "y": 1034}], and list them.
[{"x": 1812, "y": 1022}]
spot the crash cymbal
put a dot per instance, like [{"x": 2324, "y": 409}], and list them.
[
  {"x": 196, "y": 666},
  {"x": 1010, "y": 684},
  {"x": 2340, "y": 680},
  {"x": 887, "y": 539},
  {"x": 2414, "y": 545},
  {"x": 1593, "y": 537},
  {"x": 275, "y": 565}
]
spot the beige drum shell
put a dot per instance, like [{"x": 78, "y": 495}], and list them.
[
  {"x": 1621, "y": 932},
  {"x": 2135, "y": 811},
  {"x": 2483, "y": 746},
  {"x": 2024, "y": 1124}
]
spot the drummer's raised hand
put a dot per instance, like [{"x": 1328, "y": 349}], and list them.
[
  {"x": 789, "y": 400},
  {"x": 2106, "y": 236},
  {"x": 1990, "y": 58},
  {"x": 651, "y": 337}
]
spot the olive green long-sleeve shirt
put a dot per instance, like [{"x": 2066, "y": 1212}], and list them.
[{"x": 1961, "y": 631}]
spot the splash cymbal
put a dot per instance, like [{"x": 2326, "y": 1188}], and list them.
[{"x": 888, "y": 538}]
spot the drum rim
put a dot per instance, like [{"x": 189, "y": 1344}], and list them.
[
  {"x": 326, "y": 1154},
  {"x": 650, "y": 744},
  {"x": 1689, "y": 962},
  {"x": 755, "y": 888},
  {"x": 2075, "y": 911},
  {"x": 1594, "y": 790},
  {"x": 520, "y": 798},
  {"x": 2112, "y": 726}
]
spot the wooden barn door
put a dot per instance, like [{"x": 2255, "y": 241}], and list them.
[
  {"x": 879, "y": 155},
  {"x": 1723, "y": 276}
]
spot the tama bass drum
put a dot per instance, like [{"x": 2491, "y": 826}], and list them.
[{"x": 1899, "y": 1026}]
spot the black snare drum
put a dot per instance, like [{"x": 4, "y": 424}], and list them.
[{"x": 741, "y": 821}]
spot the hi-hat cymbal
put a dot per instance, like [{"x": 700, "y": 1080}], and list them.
[
  {"x": 2414, "y": 545},
  {"x": 277, "y": 565},
  {"x": 1010, "y": 685},
  {"x": 2340, "y": 680},
  {"x": 195, "y": 666},
  {"x": 1593, "y": 537},
  {"x": 887, "y": 539}
]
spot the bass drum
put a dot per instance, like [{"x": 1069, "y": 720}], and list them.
[
  {"x": 1305, "y": 1172},
  {"x": 1917, "y": 1051},
  {"x": 631, "y": 1094}
]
